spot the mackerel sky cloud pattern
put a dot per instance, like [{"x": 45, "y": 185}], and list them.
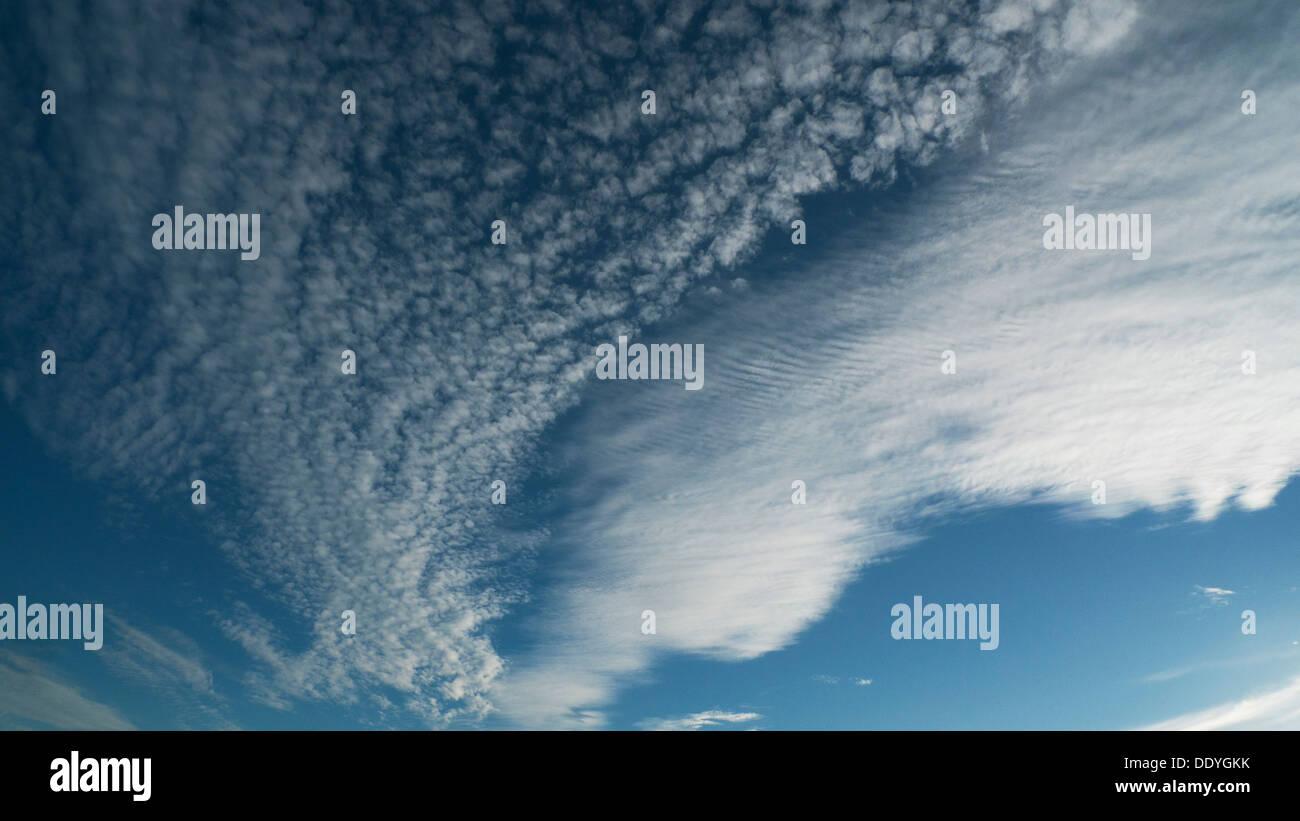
[{"x": 371, "y": 493}]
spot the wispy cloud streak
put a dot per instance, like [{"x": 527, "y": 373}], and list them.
[{"x": 1072, "y": 368}]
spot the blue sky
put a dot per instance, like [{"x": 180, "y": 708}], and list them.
[{"x": 371, "y": 492}]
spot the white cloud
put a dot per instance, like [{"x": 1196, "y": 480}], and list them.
[
  {"x": 1162, "y": 676},
  {"x": 146, "y": 656},
  {"x": 1090, "y": 28},
  {"x": 369, "y": 493},
  {"x": 1215, "y": 595},
  {"x": 32, "y": 692},
  {"x": 1277, "y": 709},
  {"x": 698, "y": 721},
  {"x": 172, "y": 667},
  {"x": 1072, "y": 368}
]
